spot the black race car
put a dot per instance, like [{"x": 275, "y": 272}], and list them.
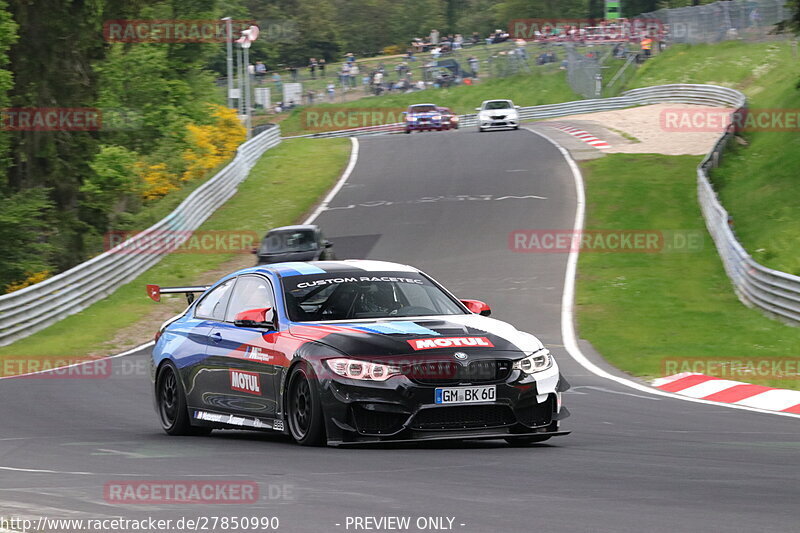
[
  {"x": 294, "y": 243},
  {"x": 348, "y": 352}
]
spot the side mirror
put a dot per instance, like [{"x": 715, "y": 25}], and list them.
[
  {"x": 255, "y": 318},
  {"x": 516, "y": 107},
  {"x": 404, "y": 113},
  {"x": 477, "y": 109},
  {"x": 327, "y": 244},
  {"x": 478, "y": 307}
]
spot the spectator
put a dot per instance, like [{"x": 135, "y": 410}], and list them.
[
  {"x": 458, "y": 41},
  {"x": 321, "y": 66},
  {"x": 434, "y": 37},
  {"x": 261, "y": 71},
  {"x": 278, "y": 83},
  {"x": 331, "y": 91},
  {"x": 474, "y": 65},
  {"x": 350, "y": 58},
  {"x": 353, "y": 75},
  {"x": 293, "y": 73},
  {"x": 312, "y": 68},
  {"x": 647, "y": 46}
]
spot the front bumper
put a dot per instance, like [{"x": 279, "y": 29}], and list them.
[
  {"x": 401, "y": 409},
  {"x": 424, "y": 126},
  {"x": 498, "y": 122}
]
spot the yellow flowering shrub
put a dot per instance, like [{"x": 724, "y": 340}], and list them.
[
  {"x": 157, "y": 180},
  {"x": 32, "y": 279},
  {"x": 212, "y": 144}
]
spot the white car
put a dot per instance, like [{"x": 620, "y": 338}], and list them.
[{"x": 497, "y": 114}]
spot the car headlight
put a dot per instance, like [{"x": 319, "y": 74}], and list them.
[
  {"x": 412, "y": 119},
  {"x": 355, "y": 369},
  {"x": 535, "y": 362},
  {"x": 437, "y": 117}
]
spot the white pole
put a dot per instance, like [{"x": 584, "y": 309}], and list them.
[
  {"x": 248, "y": 121},
  {"x": 229, "y": 49},
  {"x": 240, "y": 81}
]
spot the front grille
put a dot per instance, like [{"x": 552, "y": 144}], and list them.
[
  {"x": 537, "y": 414},
  {"x": 371, "y": 422},
  {"x": 463, "y": 417},
  {"x": 453, "y": 373},
  {"x": 498, "y": 117}
]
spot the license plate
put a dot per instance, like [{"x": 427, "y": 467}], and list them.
[{"x": 466, "y": 394}]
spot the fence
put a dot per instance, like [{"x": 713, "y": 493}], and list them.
[
  {"x": 721, "y": 21},
  {"x": 33, "y": 308}
]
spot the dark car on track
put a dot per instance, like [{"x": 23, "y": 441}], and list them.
[
  {"x": 449, "y": 119},
  {"x": 294, "y": 243},
  {"x": 423, "y": 117},
  {"x": 349, "y": 352}
]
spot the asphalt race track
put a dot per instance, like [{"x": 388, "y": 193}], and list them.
[{"x": 444, "y": 202}]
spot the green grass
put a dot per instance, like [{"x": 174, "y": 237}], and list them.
[
  {"x": 758, "y": 184},
  {"x": 640, "y": 309},
  {"x": 285, "y": 183},
  {"x": 543, "y": 86}
]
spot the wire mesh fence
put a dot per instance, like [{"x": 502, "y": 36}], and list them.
[{"x": 722, "y": 21}]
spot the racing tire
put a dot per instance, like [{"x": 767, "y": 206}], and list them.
[
  {"x": 171, "y": 402},
  {"x": 303, "y": 407},
  {"x": 524, "y": 441},
  {"x": 516, "y": 127},
  {"x": 480, "y": 130},
  {"x": 408, "y": 131}
]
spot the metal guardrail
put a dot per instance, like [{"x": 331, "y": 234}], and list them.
[
  {"x": 33, "y": 308},
  {"x": 775, "y": 292}
]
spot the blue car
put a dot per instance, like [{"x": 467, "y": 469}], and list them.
[
  {"x": 349, "y": 352},
  {"x": 423, "y": 117}
]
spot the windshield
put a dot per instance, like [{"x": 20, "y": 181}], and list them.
[
  {"x": 422, "y": 109},
  {"x": 497, "y": 105},
  {"x": 359, "y": 294},
  {"x": 288, "y": 241}
]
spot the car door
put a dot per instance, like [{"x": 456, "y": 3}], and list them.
[
  {"x": 245, "y": 357},
  {"x": 193, "y": 357}
]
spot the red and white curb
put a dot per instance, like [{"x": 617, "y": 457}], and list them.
[
  {"x": 585, "y": 136},
  {"x": 713, "y": 389}
]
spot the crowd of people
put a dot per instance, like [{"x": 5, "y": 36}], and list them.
[{"x": 350, "y": 75}]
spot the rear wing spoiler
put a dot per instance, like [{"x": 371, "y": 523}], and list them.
[{"x": 155, "y": 292}]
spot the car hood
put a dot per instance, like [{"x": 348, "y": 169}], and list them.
[{"x": 421, "y": 338}]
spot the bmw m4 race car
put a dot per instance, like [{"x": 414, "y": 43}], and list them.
[
  {"x": 348, "y": 352},
  {"x": 423, "y": 117}
]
